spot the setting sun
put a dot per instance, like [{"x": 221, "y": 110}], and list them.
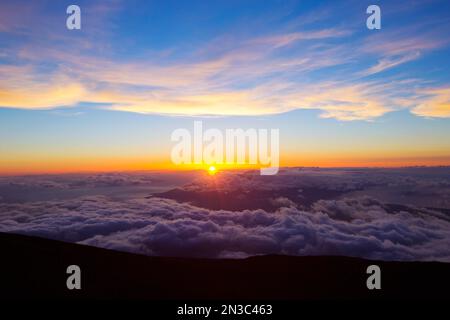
[{"x": 212, "y": 170}]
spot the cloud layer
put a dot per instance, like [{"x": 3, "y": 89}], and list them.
[{"x": 154, "y": 226}]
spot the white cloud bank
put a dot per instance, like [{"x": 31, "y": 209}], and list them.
[{"x": 352, "y": 227}]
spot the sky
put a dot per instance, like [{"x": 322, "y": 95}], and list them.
[{"x": 108, "y": 96}]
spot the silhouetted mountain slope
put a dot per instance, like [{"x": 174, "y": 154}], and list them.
[{"x": 36, "y": 268}]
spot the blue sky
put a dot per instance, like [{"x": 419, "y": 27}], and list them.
[{"x": 341, "y": 94}]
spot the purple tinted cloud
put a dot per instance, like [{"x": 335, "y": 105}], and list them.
[{"x": 354, "y": 227}]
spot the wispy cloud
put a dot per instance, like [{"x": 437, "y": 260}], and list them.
[
  {"x": 399, "y": 47},
  {"x": 285, "y": 39},
  {"x": 435, "y": 104},
  {"x": 390, "y": 62}
]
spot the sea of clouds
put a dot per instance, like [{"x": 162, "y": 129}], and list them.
[
  {"x": 359, "y": 226},
  {"x": 157, "y": 226}
]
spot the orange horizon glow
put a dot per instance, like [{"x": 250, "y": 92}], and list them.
[
  {"x": 99, "y": 165},
  {"x": 38, "y": 162}
]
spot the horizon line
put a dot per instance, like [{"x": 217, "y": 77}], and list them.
[{"x": 162, "y": 170}]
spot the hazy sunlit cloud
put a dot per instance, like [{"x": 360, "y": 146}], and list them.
[
  {"x": 437, "y": 104},
  {"x": 350, "y": 102}
]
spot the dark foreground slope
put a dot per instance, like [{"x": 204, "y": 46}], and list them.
[{"x": 36, "y": 268}]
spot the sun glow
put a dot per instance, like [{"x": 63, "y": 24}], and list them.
[{"x": 212, "y": 170}]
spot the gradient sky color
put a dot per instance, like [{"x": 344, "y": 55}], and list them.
[{"x": 107, "y": 97}]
